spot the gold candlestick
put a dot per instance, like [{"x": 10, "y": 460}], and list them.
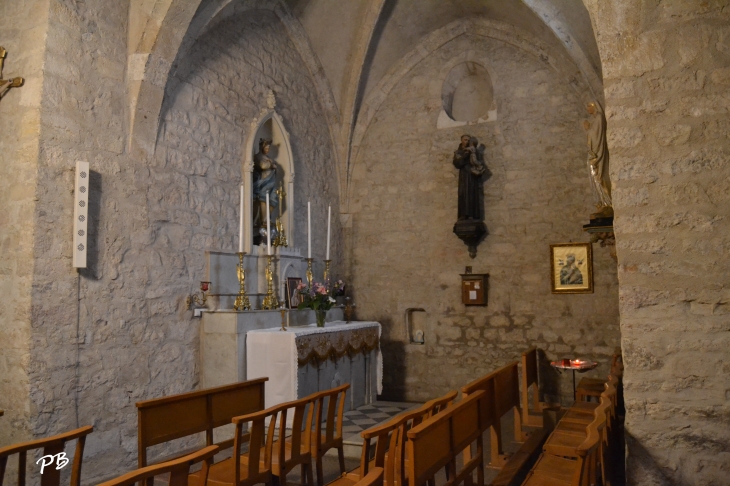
[
  {"x": 280, "y": 239},
  {"x": 270, "y": 301},
  {"x": 242, "y": 302},
  {"x": 326, "y": 275},
  {"x": 309, "y": 271},
  {"x": 283, "y": 318}
]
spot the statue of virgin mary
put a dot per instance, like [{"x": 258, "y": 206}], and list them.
[
  {"x": 264, "y": 181},
  {"x": 598, "y": 160}
]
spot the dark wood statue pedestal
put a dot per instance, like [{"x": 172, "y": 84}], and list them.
[
  {"x": 601, "y": 231},
  {"x": 471, "y": 232},
  {"x": 596, "y": 225}
]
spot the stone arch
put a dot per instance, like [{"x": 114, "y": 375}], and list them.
[
  {"x": 430, "y": 43},
  {"x": 170, "y": 32}
]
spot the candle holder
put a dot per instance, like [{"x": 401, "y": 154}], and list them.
[
  {"x": 326, "y": 275},
  {"x": 280, "y": 239},
  {"x": 283, "y": 318},
  {"x": 198, "y": 301},
  {"x": 242, "y": 303},
  {"x": 270, "y": 301},
  {"x": 309, "y": 271}
]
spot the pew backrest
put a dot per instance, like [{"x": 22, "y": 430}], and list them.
[
  {"x": 502, "y": 387},
  {"x": 391, "y": 435},
  {"x": 330, "y": 406},
  {"x": 435, "y": 443},
  {"x": 529, "y": 377},
  {"x": 178, "y": 470},
  {"x": 173, "y": 417},
  {"x": 51, "y": 446}
]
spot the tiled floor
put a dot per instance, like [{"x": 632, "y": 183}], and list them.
[{"x": 355, "y": 421}]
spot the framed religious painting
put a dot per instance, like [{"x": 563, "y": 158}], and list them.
[
  {"x": 292, "y": 295},
  {"x": 571, "y": 268}
]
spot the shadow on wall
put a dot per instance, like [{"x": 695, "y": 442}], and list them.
[
  {"x": 91, "y": 271},
  {"x": 549, "y": 378},
  {"x": 643, "y": 468},
  {"x": 394, "y": 360}
]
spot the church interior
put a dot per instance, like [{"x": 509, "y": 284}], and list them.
[{"x": 322, "y": 218}]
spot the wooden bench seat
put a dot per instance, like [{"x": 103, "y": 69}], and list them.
[
  {"x": 531, "y": 417},
  {"x": 384, "y": 445},
  {"x": 503, "y": 385},
  {"x": 178, "y": 470},
  {"x": 173, "y": 417},
  {"x": 51, "y": 476},
  {"x": 437, "y": 442},
  {"x": 552, "y": 470}
]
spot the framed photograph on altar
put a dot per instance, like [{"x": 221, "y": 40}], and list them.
[
  {"x": 571, "y": 268},
  {"x": 292, "y": 295}
]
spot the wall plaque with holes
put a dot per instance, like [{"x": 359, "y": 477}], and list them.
[
  {"x": 474, "y": 288},
  {"x": 81, "y": 199}
]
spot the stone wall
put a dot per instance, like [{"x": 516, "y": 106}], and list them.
[
  {"x": 666, "y": 69},
  {"x": 118, "y": 332},
  {"x": 23, "y": 25},
  {"x": 403, "y": 200}
]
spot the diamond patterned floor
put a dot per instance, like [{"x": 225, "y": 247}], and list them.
[{"x": 355, "y": 421}]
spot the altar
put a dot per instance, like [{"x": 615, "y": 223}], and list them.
[{"x": 305, "y": 359}]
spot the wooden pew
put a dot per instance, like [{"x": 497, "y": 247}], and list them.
[
  {"x": 438, "y": 441},
  {"x": 568, "y": 435},
  {"x": 164, "y": 419},
  {"x": 379, "y": 441},
  {"x": 529, "y": 376},
  {"x": 593, "y": 387},
  {"x": 51, "y": 476},
  {"x": 266, "y": 457},
  {"x": 503, "y": 384},
  {"x": 334, "y": 401},
  {"x": 373, "y": 478},
  {"x": 178, "y": 469},
  {"x": 560, "y": 471}
]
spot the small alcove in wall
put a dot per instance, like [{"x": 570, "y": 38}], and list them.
[
  {"x": 269, "y": 126},
  {"x": 467, "y": 96}
]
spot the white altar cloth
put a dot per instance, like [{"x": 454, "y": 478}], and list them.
[{"x": 293, "y": 360}]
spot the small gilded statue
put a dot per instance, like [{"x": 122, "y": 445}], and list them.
[
  {"x": 598, "y": 160},
  {"x": 264, "y": 182},
  {"x": 470, "y": 162}
]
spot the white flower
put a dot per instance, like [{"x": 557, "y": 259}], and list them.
[{"x": 331, "y": 299}]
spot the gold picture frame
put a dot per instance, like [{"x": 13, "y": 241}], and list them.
[{"x": 571, "y": 268}]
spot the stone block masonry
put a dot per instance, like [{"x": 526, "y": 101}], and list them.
[
  {"x": 404, "y": 207},
  {"x": 81, "y": 348},
  {"x": 665, "y": 66}
]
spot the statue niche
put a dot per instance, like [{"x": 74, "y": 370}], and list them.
[
  {"x": 264, "y": 182},
  {"x": 271, "y": 171}
]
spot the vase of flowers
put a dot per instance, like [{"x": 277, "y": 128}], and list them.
[{"x": 319, "y": 297}]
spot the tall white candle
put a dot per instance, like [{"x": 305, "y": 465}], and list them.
[
  {"x": 268, "y": 227},
  {"x": 240, "y": 225},
  {"x": 329, "y": 220},
  {"x": 309, "y": 229}
]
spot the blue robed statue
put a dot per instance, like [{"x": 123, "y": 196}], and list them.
[{"x": 264, "y": 181}]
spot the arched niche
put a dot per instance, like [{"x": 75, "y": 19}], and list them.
[
  {"x": 269, "y": 126},
  {"x": 467, "y": 96}
]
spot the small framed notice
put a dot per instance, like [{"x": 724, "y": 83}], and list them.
[{"x": 474, "y": 288}]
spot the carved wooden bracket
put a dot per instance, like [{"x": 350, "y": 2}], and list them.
[{"x": 607, "y": 239}]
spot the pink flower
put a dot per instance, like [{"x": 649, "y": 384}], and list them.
[
  {"x": 300, "y": 286},
  {"x": 322, "y": 290}
]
